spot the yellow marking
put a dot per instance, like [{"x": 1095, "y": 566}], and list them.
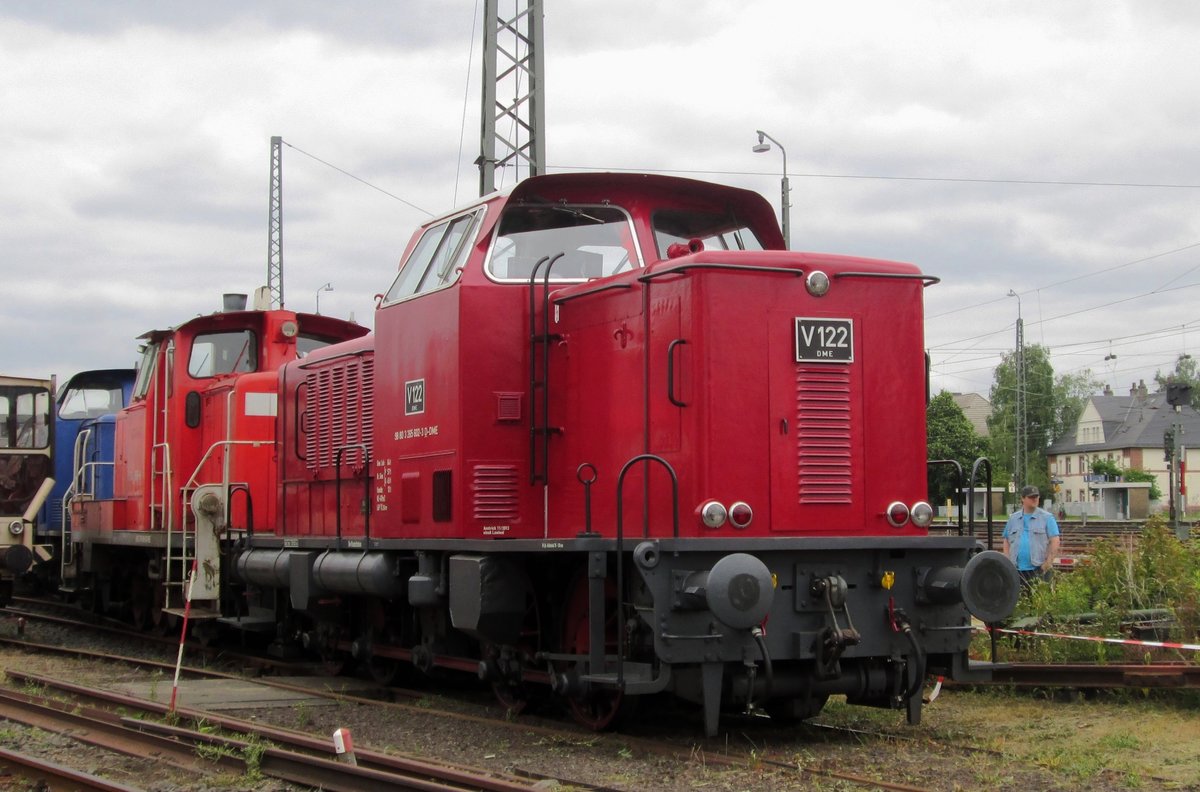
[
  {"x": 774, "y": 580},
  {"x": 889, "y": 580}
]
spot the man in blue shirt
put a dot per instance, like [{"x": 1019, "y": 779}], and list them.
[{"x": 1031, "y": 538}]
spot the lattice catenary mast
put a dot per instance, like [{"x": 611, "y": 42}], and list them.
[
  {"x": 512, "y": 66},
  {"x": 275, "y": 226}
]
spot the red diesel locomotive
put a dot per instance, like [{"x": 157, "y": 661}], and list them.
[{"x": 608, "y": 439}]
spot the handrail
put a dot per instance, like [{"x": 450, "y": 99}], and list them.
[
  {"x": 678, "y": 268},
  {"x": 928, "y": 280},
  {"x": 534, "y": 476},
  {"x": 987, "y": 464},
  {"x": 589, "y": 292},
  {"x": 621, "y": 546},
  {"x": 958, "y": 493},
  {"x": 66, "y": 547},
  {"x": 193, "y": 483}
]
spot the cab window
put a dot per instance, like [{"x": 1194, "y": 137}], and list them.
[
  {"x": 306, "y": 343},
  {"x": 24, "y": 417},
  {"x": 91, "y": 401},
  {"x": 145, "y": 371},
  {"x": 229, "y": 352},
  {"x": 716, "y": 231},
  {"x": 437, "y": 258},
  {"x": 595, "y": 241}
]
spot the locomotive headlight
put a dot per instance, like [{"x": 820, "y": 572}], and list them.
[
  {"x": 922, "y": 514},
  {"x": 289, "y": 329},
  {"x": 740, "y": 514},
  {"x": 897, "y": 514},
  {"x": 817, "y": 283},
  {"x": 16, "y": 527},
  {"x": 713, "y": 514}
]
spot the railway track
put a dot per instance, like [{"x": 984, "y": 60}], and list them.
[
  {"x": 241, "y": 747},
  {"x": 683, "y": 749}
]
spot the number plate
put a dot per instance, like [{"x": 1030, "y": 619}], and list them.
[{"x": 824, "y": 340}]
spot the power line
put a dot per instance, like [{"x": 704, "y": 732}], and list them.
[
  {"x": 1078, "y": 277},
  {"x": 358, "y": 179},
  {"x": 884, "y": 177}
]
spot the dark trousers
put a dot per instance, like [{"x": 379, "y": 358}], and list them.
[{"x": 1028, "y": 576}]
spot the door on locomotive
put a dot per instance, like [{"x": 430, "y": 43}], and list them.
[{"x": 26, "y": 466}]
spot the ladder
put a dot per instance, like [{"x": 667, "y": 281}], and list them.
[{"x": 540, "y": 339}]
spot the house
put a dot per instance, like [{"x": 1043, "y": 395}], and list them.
[
  {"x": 976, "y": 408},
  {"x": 1127, "y": 431}
]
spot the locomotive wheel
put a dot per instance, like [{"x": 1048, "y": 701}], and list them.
[
  {"x": 147, "y": 599},
  {"x": 794, "y": 710},
  {"x": 140, "y": 594},
  {"x": 600, "y": 708},
  {"x": 383, "y": 670},
  {"x": 515, "y": 696}
]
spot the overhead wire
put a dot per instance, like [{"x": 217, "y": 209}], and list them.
[
  {"x": 462, "y": 129},
  {"x": 359, "y": 179}
]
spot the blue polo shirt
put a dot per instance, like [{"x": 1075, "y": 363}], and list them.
[{"x": 1029, "y": 537}]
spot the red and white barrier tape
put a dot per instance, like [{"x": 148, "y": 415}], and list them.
[{"x": 1123, "y": 641}]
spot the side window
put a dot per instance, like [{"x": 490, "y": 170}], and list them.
[
  {"x": 436, "y": 259},
  {"x": 145, "y": 371},
  {"x": 214, "y": 354},
  {"x": 24, "y": 417}
]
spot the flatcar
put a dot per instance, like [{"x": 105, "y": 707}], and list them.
[{"x": 608, "y": 439}]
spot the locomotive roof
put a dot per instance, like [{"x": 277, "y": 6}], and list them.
[
  {"x": 604, "y": 186},
  {"x": 306, "y": 321}
]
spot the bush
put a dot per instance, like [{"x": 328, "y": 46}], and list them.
[{"x": 1118, "y": 580}]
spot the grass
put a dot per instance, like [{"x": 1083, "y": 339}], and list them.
[{"x": 1133, "y": 739}]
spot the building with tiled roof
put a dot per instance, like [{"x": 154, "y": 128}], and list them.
[
  {"x": 1129, "y": 432},
  {"x": 976, "y": 408}
]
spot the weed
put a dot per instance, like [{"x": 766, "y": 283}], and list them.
[{"x": 155, "y": 678}]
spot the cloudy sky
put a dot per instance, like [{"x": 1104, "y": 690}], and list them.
[{"x": 1045, "y": 148}]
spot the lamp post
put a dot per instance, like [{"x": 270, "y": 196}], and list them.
[
  {"x": 326, "y": 287},
  {"x": 1019, "y": 470},
  {"x": 761, "y": 147}
]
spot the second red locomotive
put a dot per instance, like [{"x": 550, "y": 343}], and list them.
[{"x": 608, "y": 438}]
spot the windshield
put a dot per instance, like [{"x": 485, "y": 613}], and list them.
[
  {"x": 223, "y": 353},
  {"x": 91, "y": 400},
  {"x": 596, "y": 241},
  {"x": 716, "y": 231}
]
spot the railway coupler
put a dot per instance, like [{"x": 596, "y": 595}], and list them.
[{"x": 833, "y": 640}]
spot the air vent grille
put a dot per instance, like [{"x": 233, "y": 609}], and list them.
[
  {"x": 341, "y": 407},
  {"x": 494, "y": 492},
  {"x": 825, "y": 425}
]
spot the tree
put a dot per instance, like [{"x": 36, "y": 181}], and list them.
[
  {"x": 1185, "y": 373},
  {"x": 1052, "y": 407},
  {"x": 950, "y": 436}
]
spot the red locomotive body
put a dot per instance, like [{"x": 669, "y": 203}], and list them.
[
  {"x": 203, "y": 412},
  {"x": 606, "y": 432}
]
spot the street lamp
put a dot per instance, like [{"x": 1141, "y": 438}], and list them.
[
  {"x": 326, "y": 287},
  {"x": 1021, "y": 441},
  {"x": 761, "y": 147}
]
